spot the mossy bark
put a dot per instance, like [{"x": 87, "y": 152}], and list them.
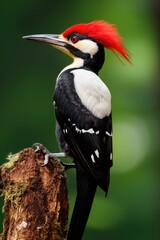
[{"x": 35, "y": 198}]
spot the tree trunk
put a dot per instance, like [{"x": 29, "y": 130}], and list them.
[{"x": 35, "y": 198}]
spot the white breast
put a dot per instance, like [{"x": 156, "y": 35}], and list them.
[{"x": 92, "y": 92}]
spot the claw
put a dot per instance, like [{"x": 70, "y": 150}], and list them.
[
  {"x": 46, "y": 159},
  {"x": 40, "y": 148}
]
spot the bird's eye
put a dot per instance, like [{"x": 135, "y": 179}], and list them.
[{"x": 74, "y": 39}]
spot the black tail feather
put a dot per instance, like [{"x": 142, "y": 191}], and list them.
[{"x": 86, "y": 187}]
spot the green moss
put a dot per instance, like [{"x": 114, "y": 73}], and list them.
[
  {"x": 13, "y": 193},
  {"x": 12, "y": 159}
]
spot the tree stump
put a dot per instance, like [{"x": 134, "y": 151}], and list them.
[{"x": 35, "y": 198}]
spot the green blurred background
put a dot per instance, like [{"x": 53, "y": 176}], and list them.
[{"x": 28, "y": 73}]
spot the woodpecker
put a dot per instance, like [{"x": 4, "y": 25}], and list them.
[{"x": 83, "y": 112}]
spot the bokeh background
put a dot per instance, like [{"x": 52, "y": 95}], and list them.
[{"x": 27, "y": 78}]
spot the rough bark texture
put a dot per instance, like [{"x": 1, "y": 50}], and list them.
[{"x": 35, "y": 198}]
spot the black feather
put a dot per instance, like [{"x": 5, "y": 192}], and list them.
[
  {"x": 90, "y": 150},
  {"x": 86, "y": 189},
  {"x": 73, "y": 116}
]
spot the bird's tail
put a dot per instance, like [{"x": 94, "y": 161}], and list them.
[{"x": 86, "y": 188}]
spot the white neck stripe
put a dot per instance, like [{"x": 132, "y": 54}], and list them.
[{"x": 77, "y": 63}]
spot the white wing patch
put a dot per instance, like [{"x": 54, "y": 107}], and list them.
[
  {"x": 92, "y": 158},
  {"x": 97, "y": 153},
  {"x": 93, "y": 93},
  {"x": 107, "y": 133}
]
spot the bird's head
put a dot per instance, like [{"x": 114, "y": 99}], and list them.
[{"x": 86, "y": 41}]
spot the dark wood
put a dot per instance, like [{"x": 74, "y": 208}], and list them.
[{"x": 35, "y": 198}]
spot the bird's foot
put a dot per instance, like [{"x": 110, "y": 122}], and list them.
[
  {"x": 41, "y": 148},
  {"x": 48, "y": 155}
]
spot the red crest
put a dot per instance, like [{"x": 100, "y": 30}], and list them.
[{"x": 104, "y": 33}]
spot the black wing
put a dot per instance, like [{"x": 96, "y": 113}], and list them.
[{"x": 89, "y": 138}]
